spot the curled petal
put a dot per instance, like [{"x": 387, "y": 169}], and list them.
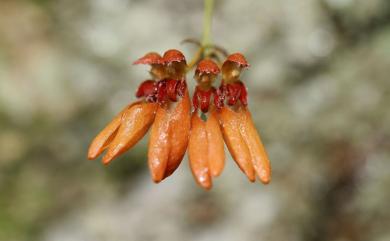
[
  {"x": 104, "y": 138},
  {"x": 179, "y": 130},
  {"x": 158, "y": 151},
  {"x": 230, "y": 122},
  {"x": 252, "y": 139},
  {"x": 216, "y": 153},
  {"x": 197, "y": 152},
  {"x": 135, "y": 123}
]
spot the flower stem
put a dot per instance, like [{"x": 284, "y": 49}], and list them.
[
  {"x": 204, "y": 50},
  {"x": 207, "y": 19}
]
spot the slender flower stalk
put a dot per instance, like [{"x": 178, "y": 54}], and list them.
[{"x": 207, "y": 22}]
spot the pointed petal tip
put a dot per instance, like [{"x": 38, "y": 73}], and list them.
[
  {"x": 156, "y": 179},
  {"x": 265, "y": 179},
  {"x": 252, "y": 180},
  {"x": 215, "y": 174},
  {"x": 107, "y": 159},
  {"x": 91, "y": 158},
  {"x": 91, "y": 155}
]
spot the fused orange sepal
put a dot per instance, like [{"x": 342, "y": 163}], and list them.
[
  {"x": 159, "y": 145},
  {"x": 104, "y": 138},
  {"x": 197, "y": 152},
  {"x": 216, "y": 152},
  {"x": 252, "y": 139},
  {"x": 136, "y": 121},
  {"x": 231, "y": 125},
  {"x": 179, "y": 130}
]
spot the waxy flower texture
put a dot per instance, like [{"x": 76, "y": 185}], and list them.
[{"x": 216, "y": 115}]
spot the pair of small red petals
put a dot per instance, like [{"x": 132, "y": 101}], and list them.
[
  {"x": 244, "y": 143},
  {"x": 169, "y": 56},
  {"x": 206, "y": 150}
]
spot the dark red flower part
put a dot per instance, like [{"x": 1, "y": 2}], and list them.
[
  {"x": 161, "y": 91},
  {"x": 231, "y": 92},
  {"x": 207, "y": 66},
  {"x": 150, "y": 58},
  {"x": 172, "y": 89},
  {"x": 147, "y": 89},
  {"x": 204, "y": 97},
  {"x": 238, "y": 59},
  {"x": 219, "y": 96},
  {"x": 169, "y": 89},
  {"x": 173, "y": 55},
  {"x": 181, "y": 88}
]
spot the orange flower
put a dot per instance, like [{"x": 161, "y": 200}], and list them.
[
  {"x": 170, "y": 131},
  {"x": 132, "y": 123},
  {"x": 164, "y": 104},
  {"x": 205, "y": 150},
  {"x": 238, "y": 130}
]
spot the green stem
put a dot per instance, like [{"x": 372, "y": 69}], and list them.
[{"x": 207, "y": 19}]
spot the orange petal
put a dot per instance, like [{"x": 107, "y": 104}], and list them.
[
  {"x": 252, "y": 139},
  {"x": 158, "y": 151},
  {"x": 237, "y": 147},
  {"x": 197, "y": 152},
  {"x": 179, "y": 130},
  {"x": 135, "y": 123},
  {"x": 104, "y": 138},
  {"x": 216, "y": 153}
]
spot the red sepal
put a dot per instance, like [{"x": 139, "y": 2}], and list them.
[
  {"x": 150, "y": 58},
  {"x": 239, "y": 59},
  {"x": 173, "y": 55},
  {"x": 207, "y": 66}
]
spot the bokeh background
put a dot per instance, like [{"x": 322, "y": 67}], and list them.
[{"x": 319, "y": 92}]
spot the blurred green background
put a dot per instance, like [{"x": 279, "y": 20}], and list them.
[{"x": 319, "y": 93}]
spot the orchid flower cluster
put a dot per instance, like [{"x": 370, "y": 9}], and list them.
[{"x": 218, "y": 115}]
